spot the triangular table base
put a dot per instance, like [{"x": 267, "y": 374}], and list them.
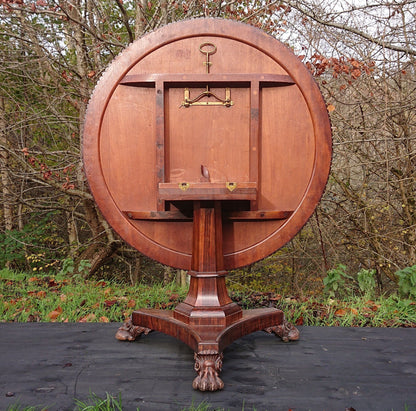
[{"x": 208, "y": 342}]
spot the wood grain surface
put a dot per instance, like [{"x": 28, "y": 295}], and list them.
[{"x": 140, "y": 143}]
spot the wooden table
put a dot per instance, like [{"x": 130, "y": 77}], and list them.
[{"x": 207, "y": 146}]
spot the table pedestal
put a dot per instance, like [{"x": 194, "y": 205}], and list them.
[{"x": 207, "y": 320}]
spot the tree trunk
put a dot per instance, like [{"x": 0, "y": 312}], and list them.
[
  {"x": 140, "y": 25},
  {"x": 4, "y": 170},
  {"x": 72, "y": 234},
  {"x": 136, "y": 274},
  {"x": 184, "y": 277},
  {"x": 100, "y": 255}
]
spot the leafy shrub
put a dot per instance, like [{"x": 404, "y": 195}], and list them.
[
  {"x": 407, "y": 281},
  {"x": 366, "y": 281},
  {"x": 334, "y": 281},
  {"x": 68, "y": 267},
  {"x": 35, "y": 247}
]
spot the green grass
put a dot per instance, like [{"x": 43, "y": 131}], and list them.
[
  {"x": 17, "y": 407},
  {"x": 114, "y": 403},
  {"x": 62, "y": 298},
  {"x": 65, "y": 298},
  {"x": 95, "y": 403},
  {"x": 353, "y": 311},
  {"x": 111, "y": 403}
]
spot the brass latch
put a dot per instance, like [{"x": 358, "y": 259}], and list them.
[
  {"x": 187, "y": 101},
  {"x": 183, "y": 186},
  {"x": 231, "y": 186}
]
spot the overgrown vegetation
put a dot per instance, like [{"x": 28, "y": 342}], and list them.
[
  {"x": 42, "y": 297},
  {"x": 114, "y": 403},
  {"x": 62, "y": 298},
  {"x": 95, "y": 403},
  {"x": 363, "y": 58}
]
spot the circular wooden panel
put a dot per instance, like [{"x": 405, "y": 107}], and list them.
[{"x": 147, "y": 154}]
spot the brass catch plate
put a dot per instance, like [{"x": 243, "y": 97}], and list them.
[
  {"x": 231, "y": 186},
  {"x": 183, "y": 186}
]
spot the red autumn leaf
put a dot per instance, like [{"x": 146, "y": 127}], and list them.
[
  {"x": 88, "y": 318},
  {"x": 110, "y": 303},
  {"x": 330, "y": 108},
  {"x": 104, "y": 319},
  {"x": 131, "y": 304},
  {"x": 91, "y": 74},
  {"x": 53, "y": 315},
  {"x": 41, "y": 294},
  {"x": 340, "y": 312},
  {"x": 299, "y": 321},
  {"x": 52, "y": 283}
]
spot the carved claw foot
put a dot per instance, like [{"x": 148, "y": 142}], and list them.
[
  {"x": 130, "y": 332},
  {"x": 286, "y": 331},
  {"x": 208, "y": 365}
]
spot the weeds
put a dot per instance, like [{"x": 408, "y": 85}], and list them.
[
  {"x": 111, "y": 403},
  {"x": 354, "y": 311},
  {"x": 95, "y": 403},
  {"x": 17, "y": 407},
  {"x": 407, "y": 281},
  {"x": 334, "y": 282},
  {"x": 73, "y": 299},
  {"x": 367, "y": 282}
]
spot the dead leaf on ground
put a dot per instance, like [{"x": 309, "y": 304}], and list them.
[
  {"x": 340, "y": 312},
  {"x": 53, "y": 315},
  {"x": 33, "y": 279},
  {"x": 110, "y": 303},
  {"x": 87, "y": 318}
]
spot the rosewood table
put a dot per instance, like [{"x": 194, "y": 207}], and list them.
[{"x": 207, "y": 146}]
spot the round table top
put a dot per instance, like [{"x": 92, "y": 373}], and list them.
[{"x": 207, "y": 109}]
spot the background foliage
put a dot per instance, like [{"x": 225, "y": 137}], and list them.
[{"x": 362, "y": 54}]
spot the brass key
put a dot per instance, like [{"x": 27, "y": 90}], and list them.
[{"x": 208, "y": 49}]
